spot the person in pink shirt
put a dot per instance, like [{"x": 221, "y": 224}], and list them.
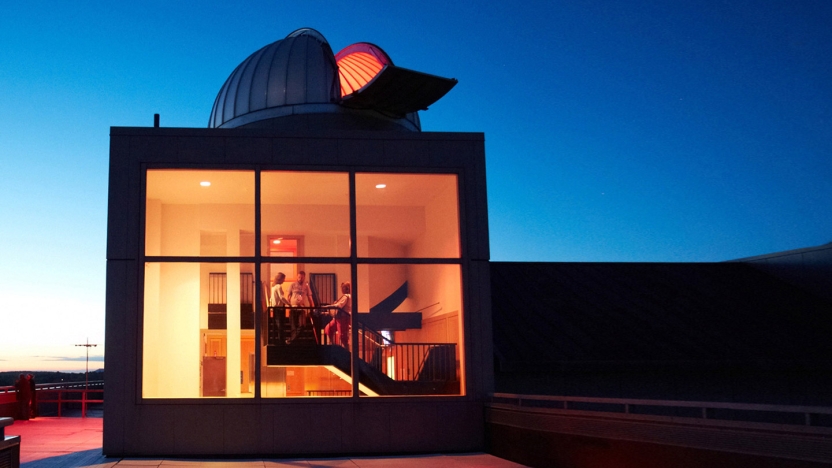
[{"x": 341, "y": 310}]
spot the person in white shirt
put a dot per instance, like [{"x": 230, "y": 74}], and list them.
[
  {"x": 277, "y": 302},
  {"x": 299, "y": 296}
]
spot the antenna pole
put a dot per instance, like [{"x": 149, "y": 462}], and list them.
[{"x": 87, "y": 378}]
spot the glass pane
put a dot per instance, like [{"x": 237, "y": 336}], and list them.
[
  {"x": 199, "y": 213},
  {"x": 305, "y": 348},
  {"x": 305, "y": 214},
  {"x": 198, "y": 338},
  {"x": 410, "y": 329},
  {"x": 407, "y": 215}
]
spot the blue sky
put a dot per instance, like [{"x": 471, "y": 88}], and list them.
[{"x": 615, "y": 131}]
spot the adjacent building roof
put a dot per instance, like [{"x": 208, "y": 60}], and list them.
[{"x": 580, "y": 315}]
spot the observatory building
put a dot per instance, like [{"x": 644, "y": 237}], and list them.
[
  {"x": 307, "y": 275},
  {"x": 310, "y": 275}
]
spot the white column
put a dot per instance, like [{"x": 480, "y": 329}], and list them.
[{"x": 232, "y": 383}]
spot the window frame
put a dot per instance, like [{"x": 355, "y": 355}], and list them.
[{"x": 261, "y": 258}]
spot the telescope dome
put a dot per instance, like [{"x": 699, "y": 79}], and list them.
[{"x": 294, "y": 83}]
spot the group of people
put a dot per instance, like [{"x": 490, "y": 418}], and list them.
[
  {"x": 301, "y": 303},
  {"x": 27, "y": 400}
]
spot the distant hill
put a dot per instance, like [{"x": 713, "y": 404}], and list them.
[{"x": 8, "y": 378}]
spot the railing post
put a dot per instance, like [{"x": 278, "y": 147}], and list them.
[
  {"x": 60, "y": 397},
  {"x": 83, "y": 403}
]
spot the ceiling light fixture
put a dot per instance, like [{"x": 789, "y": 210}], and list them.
[
  {"x": 205, "y": 183},
  {"x": 380, "y": 186}
]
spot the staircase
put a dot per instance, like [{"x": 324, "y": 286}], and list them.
[{"x": 433, "y": 373}]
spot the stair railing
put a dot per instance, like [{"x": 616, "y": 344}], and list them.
[{"x": 407, "y": 361}]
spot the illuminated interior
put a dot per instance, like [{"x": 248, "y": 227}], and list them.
[
  {"x": 187, "y": 352},
  {"x": 425, "y": 357},
  {"x": 185, "y": 217},
  {"x": 287, "y": 369},
  {"x": 358, "y": 64},
  {"x": 413, "y": 216},
  {"x": 199, "y": 317},
  {"x": 313, "y": 208}
]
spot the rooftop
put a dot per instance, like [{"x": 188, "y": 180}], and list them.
[{"x": 76, "y": 442}]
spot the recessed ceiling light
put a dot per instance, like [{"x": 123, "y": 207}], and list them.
[
  {"x": 276, "y": 241},
  {"x": 381, "y": 185},
  {"x": 205, "y": 183}
]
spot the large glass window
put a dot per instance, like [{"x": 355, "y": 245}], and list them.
[
  {"x": 409, "y": 328},
  {"x": 199, "y": 213},
  {"x": 306, "y": 339},
  {"x": 198, "y": 333},
  {"x": 404, "y": 305},
  {"x": 407, "y": 215},
  {"x": 309, "y": 210}
]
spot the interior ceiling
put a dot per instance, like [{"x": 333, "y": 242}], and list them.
[
  {"x": 182, "y": 187},
  {"x": 295, "y": 188}
]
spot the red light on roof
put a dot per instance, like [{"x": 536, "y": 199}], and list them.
[{"x": 358, "y": 64}]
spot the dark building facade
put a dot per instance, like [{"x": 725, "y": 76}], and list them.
[{"x": 309, "y": 275}]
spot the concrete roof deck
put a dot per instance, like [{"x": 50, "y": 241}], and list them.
[{"x": 76, "y": 442}]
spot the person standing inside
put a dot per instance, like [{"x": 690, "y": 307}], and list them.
[
  {"x": 24, "y": 395},
  {"x": 299, "y": 296},
  {"x": 278, "y": 302},
  {"x": 342, "y": 308}
]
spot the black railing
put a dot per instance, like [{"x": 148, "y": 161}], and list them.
[
  {"x": 702, "y": 412},
  {"x": 424, "y": 362},
  {"x": 328, "y": 392}
]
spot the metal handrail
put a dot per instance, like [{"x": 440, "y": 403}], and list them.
[
  {"x": 61, "y": 388},
  {"x": 408, "y": 361},
  {"x": 377, "y": 337},
  {"x": 55, "y": 386},
  {"x": 61, "y": 400},
  {"x": 625, "y": 405}
]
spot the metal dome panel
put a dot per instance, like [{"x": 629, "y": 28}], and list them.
[
  {"x": 295, "y": 71},
  {"x": 296, "y": 81}
]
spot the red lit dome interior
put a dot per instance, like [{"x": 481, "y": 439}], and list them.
[{"x": 358, "y": 64}]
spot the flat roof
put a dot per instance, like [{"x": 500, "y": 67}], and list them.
[{"x": 78, "y": 442}]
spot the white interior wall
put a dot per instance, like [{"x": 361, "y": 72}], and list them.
[
  {"x": 151, "y": 345},
  {"x": 428, "y": 284},
  {"x": 153, "y": 227},
  {"x": 150, "y": 327},
  {"x": 171, "y": 345},
  {"x": 325, "y": 228},
  {"x": 180, "y": 230},
  {"x": 440, "y": 237}
]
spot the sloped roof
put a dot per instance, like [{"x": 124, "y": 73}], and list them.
[{"x": 570, "y": 315}]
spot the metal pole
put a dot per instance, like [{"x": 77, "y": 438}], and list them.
[{"x": 86, "y": 378}]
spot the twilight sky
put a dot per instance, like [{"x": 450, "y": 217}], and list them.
[{"x": 615, "y": 130}]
